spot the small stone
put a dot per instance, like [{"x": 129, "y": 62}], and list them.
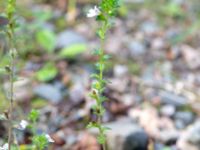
[
  {"x": 168, "y": 110},
  {"x": 149, "y": 27},
  {"x": 118, "y": 84},
  {"x": 126, "y": 135},
  {"x": 120, "y": 70},
  {"x": 190, "y": 138},
  {"x": 191, "y": 57},
  {"x": 48, "y": 92},
  {"x": 137, "y": 49},
  {"x": 172, "y": 99},
  {"x": 186, "y": 117},
  {"x": 77, "y": 93},
  {"x": 157, "y": 44},
  {"x": 169, "y": 137},
  {"x": 22, "y": 89},
  {"x": 69, "y": 37}
]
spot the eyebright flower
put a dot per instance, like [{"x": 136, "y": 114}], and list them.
[
  {"x": 49, "y": 138},
  {"x": 93, "y": 12},
  {"x": 4, "y": 147},
  {"x": 23, "y": 124}
]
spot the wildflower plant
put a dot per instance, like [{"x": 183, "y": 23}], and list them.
[
  {"x": 10, "y": 14},
  {"x": 40, "y": 141},
  {"x": 104, "y": 14}
]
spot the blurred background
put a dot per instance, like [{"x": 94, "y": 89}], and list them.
[{"x": 154, "y": 72}]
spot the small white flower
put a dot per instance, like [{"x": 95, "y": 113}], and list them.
[
  {"x": 93, "y": 12},
  {"x": 23, "y": 124},
  {"x": 49, "y": 138},
  {"x": 4, "y": 147}
]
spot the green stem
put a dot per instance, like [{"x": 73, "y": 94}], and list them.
[
  {"x": 11, "y": 78},
  {"x": 101, "y": 71}
]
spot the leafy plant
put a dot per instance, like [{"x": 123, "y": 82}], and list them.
[
  {"x": 41, "y": 141},
  {"x": 104, "y": 15},
  {"x": 10, "y": 11}
]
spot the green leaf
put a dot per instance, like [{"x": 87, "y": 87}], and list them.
[
  {"x": 33, "y": 115},
  {"x": 101, "y": 34},
  {"x": 2, "y": 71},
  {"x": 38, "y": 103},
  {"x": 73, "y": 50},
  {"x": 97, "y": 52},
  {"x": 40, "y": 141},
  {"x": 95, "y": 76},
  {"x": 106, "y": 57},
  {"x": 48, "y": 72},
  {"x": 172, "y": 9},
  {"x": 101, "y": 138},
  {"x": 46, "y": 39},
  {"x": 92, "y": 125}
]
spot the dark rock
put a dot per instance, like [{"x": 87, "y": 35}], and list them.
[
  {"x": 126, "y": 135},
  {"x": 136, "y": 141}
]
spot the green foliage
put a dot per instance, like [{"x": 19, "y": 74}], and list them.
[
  {"x": 11, "y": 8},
  {"x": 46, "y": 39},
  {"x": 38, "y": 103},
  {"x": 172, "y": 9},
  {"x": 47, "y": 72},
  {"x": 108, "y": 10},
  {"x": 40, "y": 142},
  {"x": 73, "y": 50},
  {"x": 109, "y": 7},
  {"x": 33, "y": 115}
]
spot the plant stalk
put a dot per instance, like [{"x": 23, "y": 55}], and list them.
[{"x": 11, "y": 78}]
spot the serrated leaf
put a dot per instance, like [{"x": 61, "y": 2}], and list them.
[{"x": 73, "y": 50}]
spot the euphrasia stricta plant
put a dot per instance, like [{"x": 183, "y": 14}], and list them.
[
  {"x": 104, "y": 14},
  {"x": 39, "y": 142},
  {"x": 10, "y": 12}
]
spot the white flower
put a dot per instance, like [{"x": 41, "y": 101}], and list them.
[
  {"x": 49, "y": 138},
  {"x": 4, "y": 147},
  {"x": 23, "y": 124},
  {"x": 93, "y": 12}
]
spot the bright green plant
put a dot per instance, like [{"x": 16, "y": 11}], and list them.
[
  {"x": 104, "y": 15},
  {"x": 39, "y": 141}
]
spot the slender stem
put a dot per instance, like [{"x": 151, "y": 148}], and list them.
[
  {"x": 11, "y": 78},
  {"x": 101, "y": 71}
]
